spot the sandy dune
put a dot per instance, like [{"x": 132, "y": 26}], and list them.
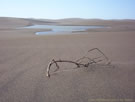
[{"x": 24, "y": 58}]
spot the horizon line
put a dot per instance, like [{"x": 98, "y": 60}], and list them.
[{"x": 68, "y": 18}]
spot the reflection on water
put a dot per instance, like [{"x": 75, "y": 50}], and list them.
[{"x": 60, "y": 29}]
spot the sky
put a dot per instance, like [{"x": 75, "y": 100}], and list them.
[{"x": 58, "y": 9}]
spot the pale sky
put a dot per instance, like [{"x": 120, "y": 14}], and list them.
[{"x": 57, "y": 9}]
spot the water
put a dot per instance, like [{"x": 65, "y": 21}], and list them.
[{"x": 60, "y": 29}]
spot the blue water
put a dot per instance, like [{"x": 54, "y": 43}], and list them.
[{"x": 60, "y": 29}]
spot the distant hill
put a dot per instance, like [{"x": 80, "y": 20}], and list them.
[
  {"x": 79, "y": 21},
  {"x": 9, "y": 22}
]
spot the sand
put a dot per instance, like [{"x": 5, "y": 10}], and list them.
[{"x": 24, "y": 58}]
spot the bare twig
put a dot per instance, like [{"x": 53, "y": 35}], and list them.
[
  {"x": 78, "y": 62},
  {"x": 100, "y": 52}
]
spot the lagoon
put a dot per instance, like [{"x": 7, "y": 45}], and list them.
[{"x": 61, "y": 29}]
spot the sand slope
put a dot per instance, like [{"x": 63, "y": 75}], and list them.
[{"x": 24, "y": 58}]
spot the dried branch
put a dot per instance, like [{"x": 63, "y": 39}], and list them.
[{"x": 78, "y": 62}]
